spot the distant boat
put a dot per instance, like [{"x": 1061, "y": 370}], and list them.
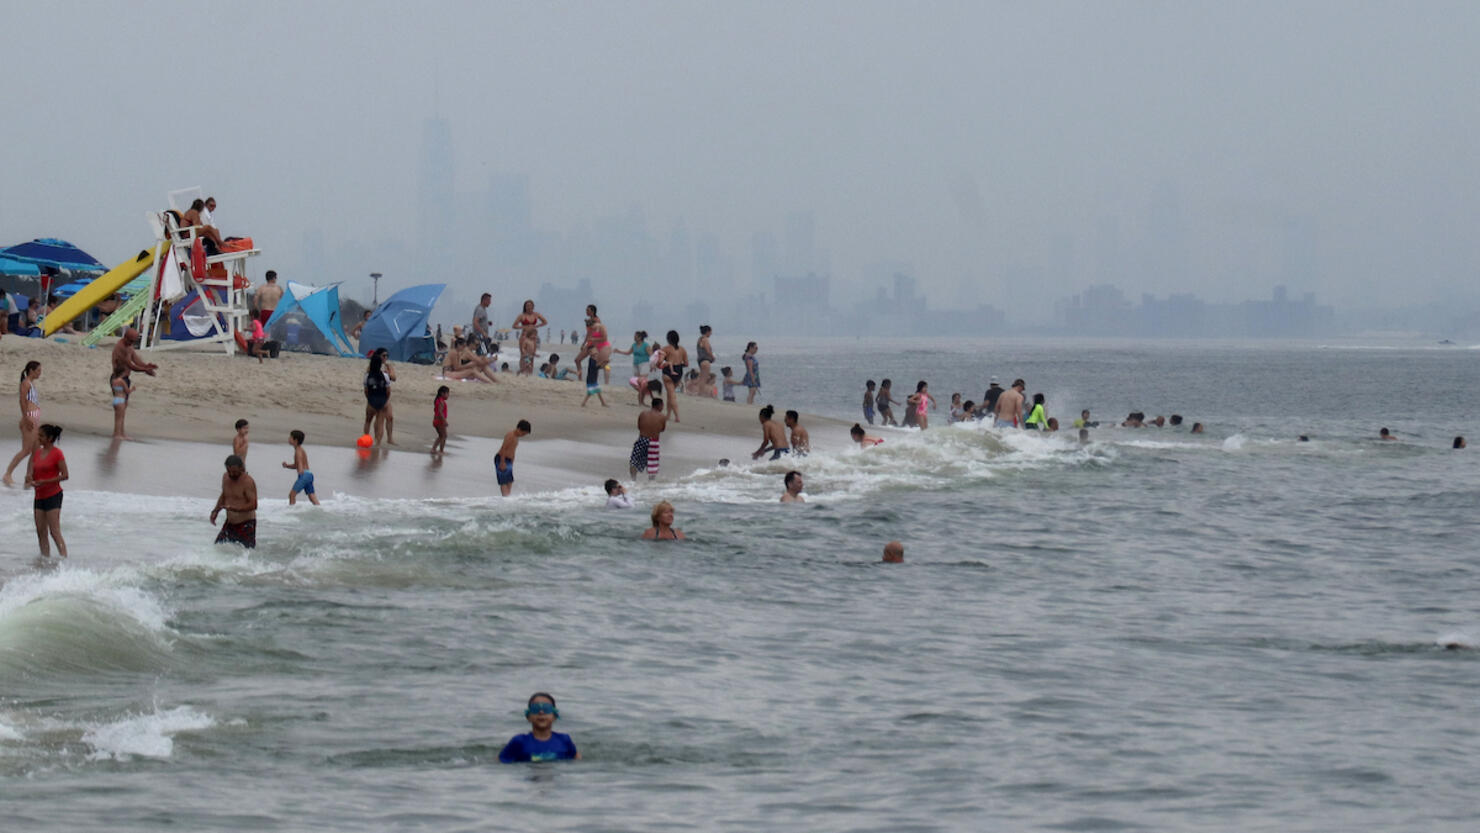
[{"x": 1446, "y": 341}]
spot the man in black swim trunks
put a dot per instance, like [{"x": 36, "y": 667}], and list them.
[{"x": 239, "y": 499}]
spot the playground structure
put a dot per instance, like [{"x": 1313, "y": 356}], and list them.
[{"x": 187, "y": 298}]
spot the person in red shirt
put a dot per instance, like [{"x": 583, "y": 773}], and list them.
[
  {"x": 45, "y": 473},
  {"x": 439, "y": 419}
]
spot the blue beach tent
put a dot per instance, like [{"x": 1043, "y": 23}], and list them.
[
  {"x": 400, "y": 325},
  {"x": 320, "y": 304}
]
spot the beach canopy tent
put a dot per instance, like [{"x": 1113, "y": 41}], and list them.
[
  {"x": 320, "y": 305},
  {"x": 189, "y": 319},
  {"x": 9, "y": 266},
  {"x": 400, "y": 325},
  {"x": 58, "y": 254}
]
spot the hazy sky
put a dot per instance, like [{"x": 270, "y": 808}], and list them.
[{"x": 1029, "y": 148}]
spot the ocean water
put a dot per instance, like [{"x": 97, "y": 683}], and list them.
[{"x": 1154, "y": 631}]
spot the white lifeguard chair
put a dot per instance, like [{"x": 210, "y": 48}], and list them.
[{"x": 219, "y": 281}]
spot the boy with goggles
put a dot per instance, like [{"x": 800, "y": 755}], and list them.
[{"x": 540, "y": 743}]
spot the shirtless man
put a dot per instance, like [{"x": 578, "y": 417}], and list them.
[
  {"x": 800, "y": 442},
  {"x": 1010, "y": 406},
  {"x": 650, "y": 424},
  {"x": 125, "y": 361},
  {"x": 773, "y": 436},
  {"x": 267, "y": 297},
  {"x": 503, "y": 461},
  {"x": 894, "y": 553},
  {"x": 239, "y": 499},
  {"x": 793, "y": 493}
]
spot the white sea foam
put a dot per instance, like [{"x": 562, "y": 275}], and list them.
[
  {"x": 110, "y": 589},
  {"x": 144, "y": 735},
  {"x": 1455, "y": 639}
]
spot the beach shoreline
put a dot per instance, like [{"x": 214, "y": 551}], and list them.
[{"x": 197, "y": 396}]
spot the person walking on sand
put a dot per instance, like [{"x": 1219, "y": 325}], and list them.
[
  {"x": 45, "y": 473},
  {"x": 503, "y": 461},
  {"x": 650, "y": 425},
  {"x": 239, "y": 499},
  {"x": 267, "y": 297},
  {"x": 675, "y": 362},
  {"x": 439, "y": 419},
  {"x": 378, "y": 378},
  {"x": 299, "y": 463},
  {"x": 30, "y": 399},
  {"x": 480, "y": 337},
  {"x": 597, "y": 350},
  {"x": 125, "y": 361},
  {"x": 752, "y": 378},
  {"x": 528, "y": 324}
]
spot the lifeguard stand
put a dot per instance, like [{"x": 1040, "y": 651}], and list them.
[{"x": 219, "y": 282}]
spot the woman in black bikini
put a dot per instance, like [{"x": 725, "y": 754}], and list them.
[
  {"x": 662, "y": 528},
  {"x": 675, "y": 362}
]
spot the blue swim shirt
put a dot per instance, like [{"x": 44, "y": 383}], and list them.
[{"x": 523, "y": 748}]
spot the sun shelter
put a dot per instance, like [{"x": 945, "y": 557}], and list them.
[
  {"x": 320, "y": 305},
  {"x": 400, "y": 325},
  {"x": 58, "y": 254},
  {"x": 20, "y": 268}
]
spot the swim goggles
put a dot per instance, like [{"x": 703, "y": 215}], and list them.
[{"x": 541, "y": 708}]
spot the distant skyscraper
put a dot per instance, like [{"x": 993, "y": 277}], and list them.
[
  {"x": 765, "y": 260},
  {"x": 801, "y": 243}
]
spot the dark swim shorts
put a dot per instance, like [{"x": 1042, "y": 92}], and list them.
[
  {"x": 244, "y": 533},
  {"x": 506, "y": 474}
]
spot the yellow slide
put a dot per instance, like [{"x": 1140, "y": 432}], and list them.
[{"x": 88, "y": 296}]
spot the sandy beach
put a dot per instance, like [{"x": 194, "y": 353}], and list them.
[{"x": 197, "y": 396}]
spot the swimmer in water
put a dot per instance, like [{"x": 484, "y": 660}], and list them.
[
  {"x": 863, "y": 440},
  {"x": 662, "y": 528},
  {"x": 793, "y": 484},
  {"x": 540, "y": 743},
  {"x": 1197, "y": 427},
  {"x": 1459, "y": 442},
  {"x": 893, "y": 553},
  {"x": 1385, "y": 435}
]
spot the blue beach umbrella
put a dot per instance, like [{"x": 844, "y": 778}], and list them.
[
  {"x": 18, "y": 267},
  {"x": 400, "y": 324},
  {"x": 58, "y": 254}
]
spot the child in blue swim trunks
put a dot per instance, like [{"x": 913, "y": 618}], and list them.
[
  {"x": 299, "y": 463},
  {"x": 503, "y": 461},
  {"x": 540, "y": 743}
]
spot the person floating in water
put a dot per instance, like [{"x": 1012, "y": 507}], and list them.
[
  {"x": 894, "y": 553},
  {"x": 1386, "y": 434},
  {"x": 1459, "y": 442},
  {"x": 616, "y": 495},
  {"x": 540, "y": 743},
  {"x": 662, "y": 528},
  {"x": 793, "y": 485}
]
